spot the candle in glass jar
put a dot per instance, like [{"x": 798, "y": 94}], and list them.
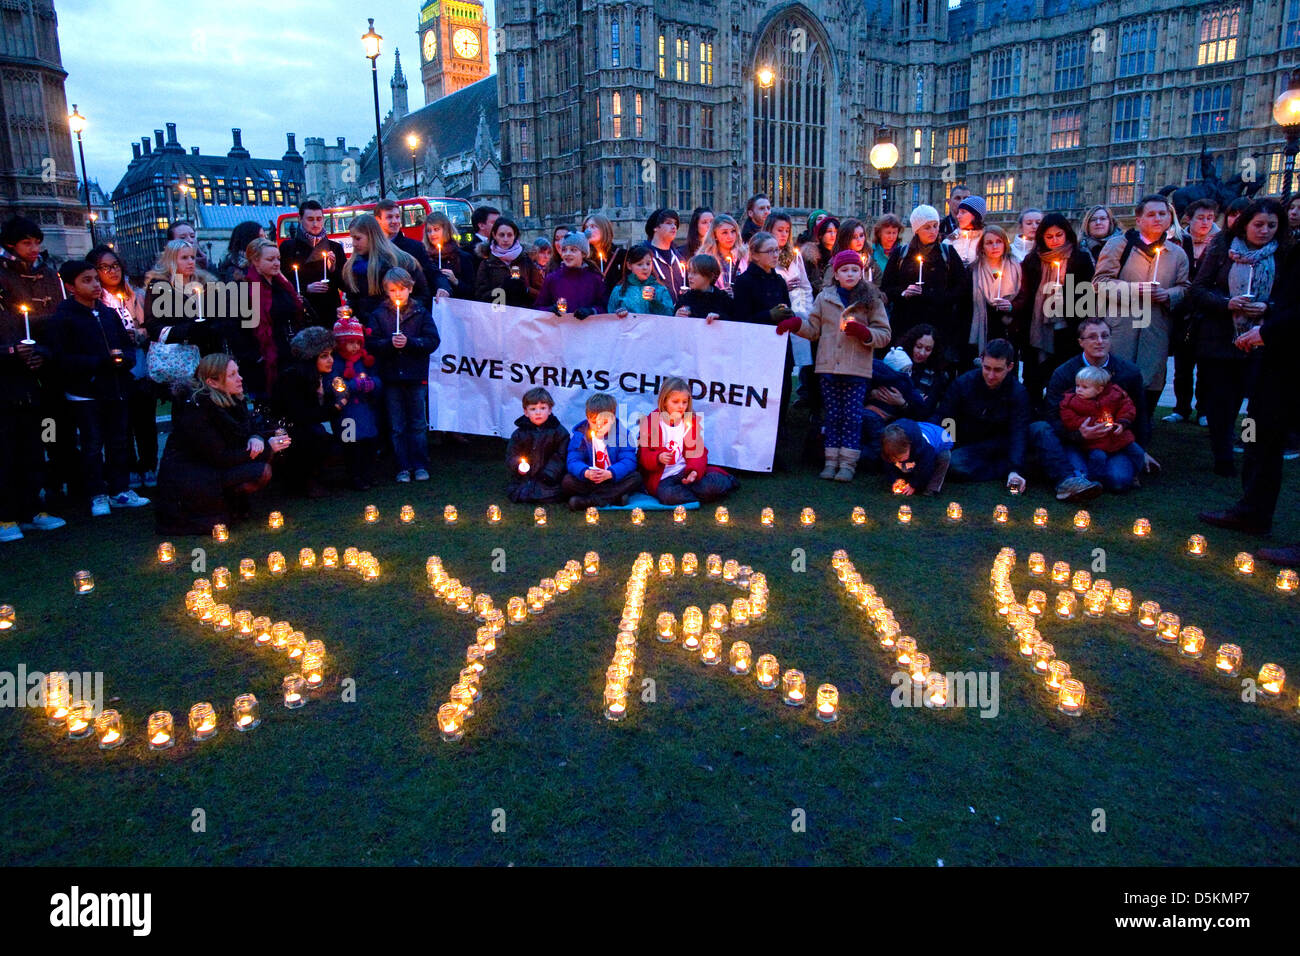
[
  {"x": 8, "y": 618},
  {"x": 766, "y": 517},
  {"x": 953, "y": 512},
  {"x": 83, "y": 582},
  {"x": 245, "y": 712},
  {"x": 306, "y": 559},
  {"x": 167, "y": 553},
  {"x": 1167, "y": 626},
  {"x": 828, "y": 703},
  {"x": 1000, "y": 514},
  {"x": 79, "y": 720},
  {"x": 904, "y": 514},
  {"x": 108, "y": 730},
  {"x": 1271, "y": 679},
  {"x": 406, "y": 514},
  {"x": 740, "y": 657},
  {"x": 767, "y": 671},
  {"x": 275, "y": 521},
  {"x": 449, "y": 514},
  {"x": 1065, "y": 604},
  {"x": 1142, "y": 527},
  {"x": 220, "y": 533},
  {"x": 1057, "y": 672},
  {"x": 1227, "y": 660},
  {"x": 1082, "y": 520},
  {"x": 1061, "y": 573},
  {"x": 1287, "y": 580},
  {"x": 275, "y": 563},
  {"x": 711, "y": 649},
  {"x": 793, "y": 688},
  {"x": 1148, "y": 615},
  {"x": 1121, "y": 601},
  {"x": 679, "y": 514},
  {"x": 160, "y": 730},
  {"x": 247, "y": 569},
  {"x": 1071, "y": 697},
  {"x": 807, "y": 517},
  {"x": 638, "y": 516},
  {"x": 1244, "y": 563},
  {"x": 494, "y": 514},
  {"x": 1037, "y": 564},
  {"x": 1196, "y": 545},
  {"x": 451, "y": 727},
  {"x": 1040, "y": 517}
]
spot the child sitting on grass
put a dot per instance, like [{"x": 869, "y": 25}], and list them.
[
  {"x": 672, "y": 453},
  {"x": 919, "y": 453},
  {"x": 599, "y": 473},
  {"x": 703, "y": 299},
  {"x": 536, "y": 452},
  {"x": 1113, "y": 457},
  {"x": 639, "y": 291},
  {"x": 401, "y": 337},
  {"x": 354, "y": 390}
]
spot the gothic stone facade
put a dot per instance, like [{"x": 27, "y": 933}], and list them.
[{"x": 624, "y": 105}]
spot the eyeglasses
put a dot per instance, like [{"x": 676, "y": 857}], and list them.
[{"x": 109, "y": 267}]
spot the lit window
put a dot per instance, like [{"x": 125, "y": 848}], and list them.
[
  {"x": 1218, "y": 35},
  {"x": 1125, "y": 180},
  {"x": 636, "y": 107},
  {"x": 706, "y": 63},
  {"x": 663, "y": 73},
  {"x": 616, "y": 114},
  {"x": 528, "y": 200},
  {"x": 999, "y": 193},
  {"x": 1066, "y": 128},
  {"x": 956, "y": 147}
]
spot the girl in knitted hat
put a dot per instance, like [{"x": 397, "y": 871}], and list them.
[
  {"x": 355, "y": 390},
  {"x": 849, "y": 332}
]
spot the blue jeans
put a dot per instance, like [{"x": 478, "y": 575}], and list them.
[
  {"x": 710, "y": 486},
  {"x": 1051, "y": 454},
  {"x": 408, "y": 417},
  {"x": 980, "y": 461},
  {"x": 1115, "y": 470},
  {"x": 102, "y": 429}
]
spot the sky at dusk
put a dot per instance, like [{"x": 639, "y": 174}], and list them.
[{"x": 268, "y": 68}]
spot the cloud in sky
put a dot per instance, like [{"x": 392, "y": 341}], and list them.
[{"x": 289, "y": 66}]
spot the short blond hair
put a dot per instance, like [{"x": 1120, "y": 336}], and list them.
[{"x": 1092, "y": 375}]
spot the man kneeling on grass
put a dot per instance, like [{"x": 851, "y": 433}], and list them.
[{"x": 599, "y": 473}]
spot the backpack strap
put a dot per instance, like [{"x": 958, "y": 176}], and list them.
[{"x": 1123, "y": 256}]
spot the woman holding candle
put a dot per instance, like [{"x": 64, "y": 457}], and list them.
[
  {"x": 1048, "y": 275},
  {"x": 503, "y": 265},
  {"x": 450, "y": 261},
  {"x": 259, "y": 348},
  {"x": 970, "y": 229},
  {"x": 789, "y": 263},
  {"x": 372, "y": 256},
  {"x": 605, "y": 255},
  {"x": 1232, "y": 293},
  {"x": 671, "y": 453},
  {"x": 818, "y": 251},
  {"x": 142, "y": 397},
  {"x": 926, "y": 281},
  {"x": 174, "y": 300},
  {"x": 998, "y": 308},
  {"x": 723, "y": 244},
  {"x": 640, "y": 291},
  {"x": 1149, "y": 270},
  {"x": 1097, "y": 227},
  {"x": 216, "y": 456}
]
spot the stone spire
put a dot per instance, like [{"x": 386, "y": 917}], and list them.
[{"x": 398, "y": 84}]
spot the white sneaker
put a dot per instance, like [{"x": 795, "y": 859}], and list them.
[
  {"x": 1174, "y": 418},
  {"x": 43, "y": 521},
  {"x": 150, "y": 479},
  {"x": 403, "y": 477},
  {"x": 1203, "y": 422},
  {"x": 421, "y": 474},
  {"x": 9, "y": 531},
  {"x": 128, "y": 499},
  {"x": 99, "y": 506}
]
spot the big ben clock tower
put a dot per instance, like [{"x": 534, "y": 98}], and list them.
[{"x": 453, "y": 46}]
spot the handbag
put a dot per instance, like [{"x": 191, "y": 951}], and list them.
[{"x": 172, "y": 363}]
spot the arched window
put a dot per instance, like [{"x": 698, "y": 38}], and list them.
[{"x": 789, "y": 119}]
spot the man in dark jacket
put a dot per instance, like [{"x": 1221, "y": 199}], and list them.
[
  {"x": 537, "y": 452},
  {"x": 1049, "y": 436},
  {"x": 482, "y": 220},
  {"x": 1273, "y": 408},
  {"x": 987, "y": 413},
  {"x": 90, "y": 349},
  {"x": 319, "y": 260}
]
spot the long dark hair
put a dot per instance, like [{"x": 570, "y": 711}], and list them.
[
  {"x": 240, "y": 237},
  {"x": 845, "y": 234},
  {"x": 1270, "y": 207},
  {"x": 1050, "y": 220},
  {"x": 915, "y": 334},
  {"x": 634, "y": 255},
  {"x": 693, "y": 239},
  {"x": 98, "y": 253}
]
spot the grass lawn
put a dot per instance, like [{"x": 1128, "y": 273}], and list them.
[{"x": 712, "y": 771}]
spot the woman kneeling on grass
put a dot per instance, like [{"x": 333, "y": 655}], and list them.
[{"x": 214, "y": 459}]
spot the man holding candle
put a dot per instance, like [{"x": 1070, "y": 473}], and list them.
[
  {"x": 661, "y": 229},
  {"x": 23, "y": 358},
  {"x": 1153, "y": 271},
  {"x": 319, "y": 260}
]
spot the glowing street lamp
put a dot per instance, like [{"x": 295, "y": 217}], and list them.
[
  {"x": 412, "y": 142},
  {"x": 77, "y": 123},
  {"x": 883, "y": 158},
  {"x": 372, "y": 40},
  {"x": 1286, "y": 113}
]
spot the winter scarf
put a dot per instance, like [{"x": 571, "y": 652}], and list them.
[
  {"x": 1252, "y": 269},
  {"x": 1042, "y": 329},
  {"x": 507, "y": 255}
]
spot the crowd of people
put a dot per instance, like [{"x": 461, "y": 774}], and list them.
[{"x": 939, "y": 348}]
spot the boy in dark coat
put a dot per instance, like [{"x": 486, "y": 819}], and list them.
[
  {"x": 401, "y": 336},
  {"x": 703, "y": 299},
  {"x": 90, "y": 348},
  {"x": 536, "y": 451}
]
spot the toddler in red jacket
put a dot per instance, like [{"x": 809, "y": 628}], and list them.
[
  {"x": 1112, "y": 456},
  {"x": 671, "y": 452}
]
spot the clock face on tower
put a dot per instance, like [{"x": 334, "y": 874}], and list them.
[
  {"x": 430, "y": 45},
  {"x": 465, "y": 42}
]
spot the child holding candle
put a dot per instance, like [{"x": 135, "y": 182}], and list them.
[
  {"x": 354, "y": 388},
  {"x": 1113, "y": 458},
  {"x": 537, "y": 451},
  {"x": 848, "y": 335},
  {"x": 600, "y": 473},
  {"x": 672, "y": 455},
  {"x": 605, "y": 255},
  {"x": 640, "y": 291},
  {"x": 724, "y": 246},
  {"x": 703, "y": 299},
  {"x": 918, "y": 454},
  {"x": 576, "y": 285},
  {"x": 401, "y": 336}
]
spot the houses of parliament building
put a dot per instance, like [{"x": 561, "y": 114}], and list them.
[{"x": 620, "y": 106}]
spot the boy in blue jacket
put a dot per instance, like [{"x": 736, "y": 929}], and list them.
[
  {"x": 918, "y": 453},
  {"x": 91, "y": 349},
  {"x": 600, "y": 473},
  {"x": 401, "y": 336}
]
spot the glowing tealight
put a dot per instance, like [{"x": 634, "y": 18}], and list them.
[
  {"x": 1227, "y": 660},
  {"x": 83, "y": 582},
  {"x": 807, "y": 517},
  {"x": 1142, "y": 527},
  {"x": 1244, "y": 563},
  {"x": 1287, "y": 580},
  {"x": 167, "y": 553},
  {"x": 859, "y": 515},
  {"x": 275, "y": 521},
  {"x": 740, "y": 658},
  {"x": 1082, "y": 520},
  {"x": 828, "y": 703},
  {"x": 767, "y": 671},
  {"x": 1191, "y": 642},
  {"x": 220, "y": 533},
  {"x": 108, "y": 730},
  {"x": 679, "y": 514},
  {"x": 638, "y": 516},
  {"x": 793, "y": 688},
  {"x": 539, "y": 516},
  {"x": 1148, "y": 615},
  {"x": 1197, "y": 546},
  {"x": 1271, "y": 679},
  {"x": 247, "y": 569},
  {"x": 449, "y": 514},
  {"x": 953, "y": 512},
  {"x": 721, "y": 515},
  {"x": 766, "y": 517},
  {"x": 1000, "y": 514},
  {"x": 1071, "y": 697},
  {"x": 406, "y": 514},
  {"x": 160, "y": 730},
  {"x": 1040, "y": 517},
  {"x": 904, "y": 514},
  {"x": 494, "y": 514}
]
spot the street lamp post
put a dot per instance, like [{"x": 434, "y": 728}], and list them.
[
  {"x": 371, "y": 40},
  {"x": 883, "y": 156},
  {"x": 1286, "y": 113},
  {"x": 77, "y": 123},
  {"x": 766, "y": 80},
  {"x": 413, "y": 141}
]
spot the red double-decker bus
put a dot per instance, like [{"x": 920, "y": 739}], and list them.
[{"x": 338, "y": 219}]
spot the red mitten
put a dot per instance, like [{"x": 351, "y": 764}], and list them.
[
  {"x": 792, "y": 324},
  {"x": 857, "y": 330}
]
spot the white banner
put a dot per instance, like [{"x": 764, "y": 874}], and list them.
[{"x": 490, "y": 355}]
